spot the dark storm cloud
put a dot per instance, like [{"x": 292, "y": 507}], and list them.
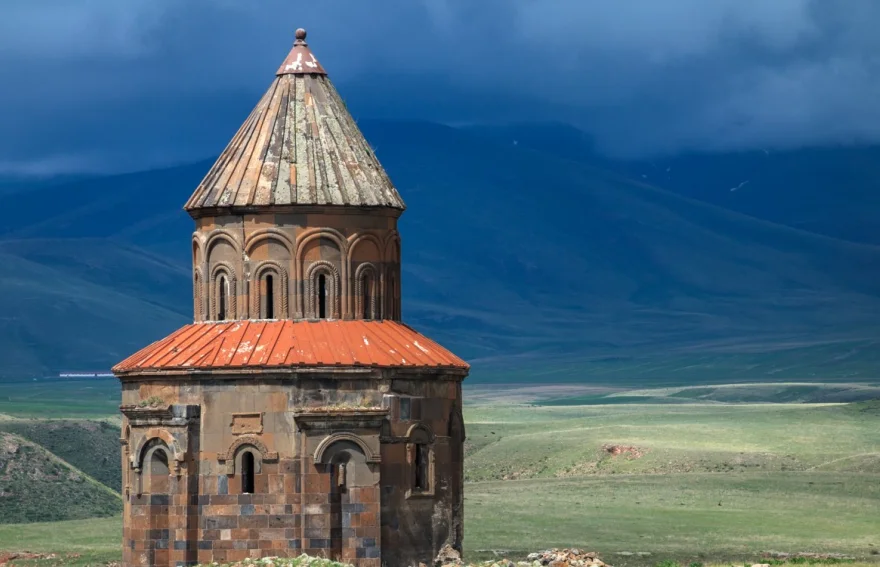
[{"x": 104, "y": 83}]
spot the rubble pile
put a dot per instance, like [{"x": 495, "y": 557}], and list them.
[
  {"x": 804, "y": 555},
  {"x": 548, "y": 558},
  {"x": 566, "y": 558},
  {"x": 7, "y": 557},
  {"x": 301, "y": 561}
]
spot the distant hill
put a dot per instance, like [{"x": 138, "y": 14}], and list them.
[
  {"x": 90, "y": 446},
  {"x": 834, "y": 191},
  {"x": 36, "y": 486},
  {"x": 531, "y": 264}
]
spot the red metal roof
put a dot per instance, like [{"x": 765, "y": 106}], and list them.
[{"x": 242, "y": 345}]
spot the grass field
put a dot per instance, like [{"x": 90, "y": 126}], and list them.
[
  {"x": 694, "y": 475},
  {"x": 93, "y": 398},
  {"x": 96, "y": 541}
]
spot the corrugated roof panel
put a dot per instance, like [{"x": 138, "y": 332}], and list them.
[{"x": 280, "y": 344}]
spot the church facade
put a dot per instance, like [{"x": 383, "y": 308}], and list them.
[{"x": 297, "y": 414}]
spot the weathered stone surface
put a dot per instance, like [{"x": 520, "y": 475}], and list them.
[{"x": 227, "y": 458}]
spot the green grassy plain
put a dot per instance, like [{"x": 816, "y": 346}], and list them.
[
  {"x": 710, "y": 474},
  {"x": 693, "y": 480},
  {"x": 96, "y": 541},
  {"x": 53, "y": 398}
]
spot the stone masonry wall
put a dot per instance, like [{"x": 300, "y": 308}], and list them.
[{"x": 333, "y": 468}]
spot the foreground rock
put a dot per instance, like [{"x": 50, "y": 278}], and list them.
[
  {"x": 7, "y": 557},
  {"x": 550, "y": 558},
  {"x": 301, "y": 561}
]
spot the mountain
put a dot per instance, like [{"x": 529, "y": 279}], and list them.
[
  {"x": 834, "y": 191},
  {"x": 532, "y": 265}
]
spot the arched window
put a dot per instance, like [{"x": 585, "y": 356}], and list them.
[
  {"x": 421, "y": 456},
  {"x": 365, "y": 290},
  {"x": 322, "y": 291},
  {"x": 247, "y": 473},
  {"x": 420, "y": 480},
  {"x": 222, "y": 293},
  {"x": 222, "y": 299},
  {"x": 268, "y": 293}
]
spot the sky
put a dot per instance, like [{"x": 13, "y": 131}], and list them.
[{"x": 104, "y": 85}]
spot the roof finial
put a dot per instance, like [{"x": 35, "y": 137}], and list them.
[{"x": 300, "y": 60}]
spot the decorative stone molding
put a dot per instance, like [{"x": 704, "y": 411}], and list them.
[
  {"x": 420, "y": 433},
  {"x": 221, "y": 234},
  {"x": 325, "y": 444},
  {"x": 282, "y": 293},
  {"x": 315, "y": 233},
  {"x": 176, "y": 455},
  {"x": 363, "y": 271},
  {"x": 229, "y": 457},
  {"x": 197, "y": 294},
  {"x": 329, "y": 270},
  {"x": 265, "y": 234},
  {"x": 303, "y": 240},
  {"x": 356, "y": 239},
  {"x": 224, "y": 269},
  {"x": 247, "y": 423}
]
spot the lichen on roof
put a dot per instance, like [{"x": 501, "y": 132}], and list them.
[{"x": 299, "y": 146}]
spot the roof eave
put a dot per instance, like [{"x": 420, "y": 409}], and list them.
[
  {"x": 197, "y": 212},
  {"x": 237, "y": 372}
]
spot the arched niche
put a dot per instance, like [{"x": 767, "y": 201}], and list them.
[
  {"x": 156, "y": 467},
  {"x": 420, "y": 457},
  {"x": 223, "y": 292},
  {"x": 198, "y": 294},
  {"x": 270, "y": 291},
  {"x": 269, "y": 244},
  {"x": 163, "y": 438},
  {"x": 323, "y": 455},
  {"x": 321, "y": 247},
  {"x": 366, "y": 294}
]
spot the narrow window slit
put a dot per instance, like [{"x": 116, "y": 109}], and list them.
[
  {"x": 221, "y": 299},
  {"x": 322, "y": 296},
  {"x": 368, "y": 297},
  {"x": 247, "y": 473},
  {"x": 270, "y": 298}
]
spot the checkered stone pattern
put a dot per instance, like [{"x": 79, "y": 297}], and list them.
[
  {"x": 235, "y": 526},
  {"x": 335, "y": 463}
]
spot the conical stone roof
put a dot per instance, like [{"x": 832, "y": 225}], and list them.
[{"x": 299, "y": 146}]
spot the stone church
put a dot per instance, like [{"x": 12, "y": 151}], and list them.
[{"x": 297, "y": 414}]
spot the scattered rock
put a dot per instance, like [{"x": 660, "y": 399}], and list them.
[
  {"x": 565, "y": 558},
  {"x": 804, "y": 555},
  {"x": 6, "y": 557},
  {"x": 448, "y": 556},
  {"x": 629, "y": 451}
]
